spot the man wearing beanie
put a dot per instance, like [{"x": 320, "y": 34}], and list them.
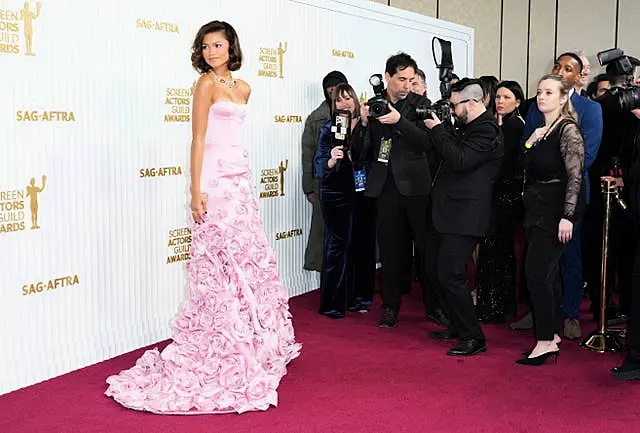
[{"x": 310, "y": 185}]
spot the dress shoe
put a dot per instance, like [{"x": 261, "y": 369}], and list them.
[
  {"x": 492, "y": 320},
  {"x": 333, "y": 314},
  {"x": 539, "y": 360},
  {"x": 438, "y": 317},
  {"x": 359, "y": 306},
  {"x": 529, "y": 352},
  {"x": 572, "y": 329},
  {"x": 525, "y": 323},
  {"x": 627, "y": 371},
  {"x": 388, "y": 320},
  {"x": 447, "y": 334},
  {"x": 468, "y": 348}
]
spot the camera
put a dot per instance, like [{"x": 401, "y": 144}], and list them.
[
  {"x": 441, "y": 108},
  {"x": 378, "y": 105},
  {"x": 618, "y": 64}
]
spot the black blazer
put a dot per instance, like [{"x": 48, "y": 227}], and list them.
[
  {"x": 463, "y": 192},
  {"x": 409, "y": 163}
]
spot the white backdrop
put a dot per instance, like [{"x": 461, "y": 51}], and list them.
[{"x": 99, "y": 105}]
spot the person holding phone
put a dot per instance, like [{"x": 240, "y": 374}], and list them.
[{"x": 348, "y": 268}]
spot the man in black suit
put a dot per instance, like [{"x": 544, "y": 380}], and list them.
[
  {"x": 399, "y": 180},
  {"x": 462, "y": 198}
]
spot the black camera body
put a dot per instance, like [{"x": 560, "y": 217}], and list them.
[
  {"x": 442, "y": 110},
  {"x": 378, "y": 105},
  {"x": 618, "y": 64}
]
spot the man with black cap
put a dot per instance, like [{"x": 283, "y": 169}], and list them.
[{"x": 311, "y": 186}]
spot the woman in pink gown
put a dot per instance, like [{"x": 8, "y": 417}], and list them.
[{"x": 233, "y": 335}]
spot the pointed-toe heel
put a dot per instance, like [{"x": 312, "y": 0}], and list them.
[{"x": 540, "y": 359}]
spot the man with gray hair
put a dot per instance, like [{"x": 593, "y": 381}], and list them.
[
  {"x": 462, "y": 201},
  {"x": 583, "y": 80}
]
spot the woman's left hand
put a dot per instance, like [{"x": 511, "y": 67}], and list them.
[{"x": 565, "y": 231}]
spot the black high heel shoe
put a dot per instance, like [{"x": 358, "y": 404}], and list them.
[
  {"x": 540, "y": 359},
  {"x": 528, "y": 352}
]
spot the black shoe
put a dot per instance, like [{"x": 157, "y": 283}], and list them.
[
  {"x": 447, "y": 334},
  {"x": 492, "y": 320},
  {"x": 333, "y": 314},
  {"x": 360, "y": 306},
  {"x": 388, "y": 320},
  {"x": 539, "y": 360},
  {"x": 627, "y": 371},
  {"x": 529, "y": 352},
  {"x": 438, "y": 317},
  {"x": 468, "y": 348}
]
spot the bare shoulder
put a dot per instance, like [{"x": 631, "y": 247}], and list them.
[
  {"x": 205, "y": 82},
  {"x": 244, "y": 88}
]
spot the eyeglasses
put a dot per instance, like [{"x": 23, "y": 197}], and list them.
[{"x": 464, "y": 101}]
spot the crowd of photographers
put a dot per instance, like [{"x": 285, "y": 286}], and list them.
[{"x": 435, "y": 186}]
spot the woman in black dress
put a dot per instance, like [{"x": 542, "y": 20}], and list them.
[
  {"x": 553, "y": 199},
  {"x": 496, "y": 295},
  {"x": 348, "y": 268}
]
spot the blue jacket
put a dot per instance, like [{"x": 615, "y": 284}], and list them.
[{"x": 589, "y": 121}]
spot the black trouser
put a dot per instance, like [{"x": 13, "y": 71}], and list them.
[
  {"x": 543, "y": 280},
  {"x": 337, "y": 278},
  {"x": 450, "y": 267},
  {"x": 623, "y": 236},
  {"x": 397, "y": 216},
  {"x": 363, "y": 250},
  {"x": 348, "y": 270},
  {"x": 633, "y": 326}
]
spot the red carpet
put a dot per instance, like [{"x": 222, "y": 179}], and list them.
[{"x": 354, "y": 377}]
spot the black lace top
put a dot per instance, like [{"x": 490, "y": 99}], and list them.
[{"x": 553, "y": 177}]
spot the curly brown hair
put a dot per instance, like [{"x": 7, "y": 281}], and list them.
[{"x": 235, "y": 53}]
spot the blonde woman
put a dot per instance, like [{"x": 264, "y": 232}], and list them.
[{"x": 553, "y": 199}]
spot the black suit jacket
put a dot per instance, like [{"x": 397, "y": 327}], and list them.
[
  {"x": 409, "y": 163},
  {"x": 463, "y": 192}
]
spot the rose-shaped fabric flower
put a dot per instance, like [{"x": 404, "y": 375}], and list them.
[
  {"x": 266, "y": 316},
  {"x": 220, "y": 214},
  {"x": 240, "y": 332},
  {"x": 233, "y": 373},
  {"x": 240, "y": 223},
  {"x": 187, "y": 383},
  {"x": 260, "y": 393},
  {"x": 220, "y": 345}
]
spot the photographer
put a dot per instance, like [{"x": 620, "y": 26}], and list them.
[
  {"x": 620, "y": 129},
  {"x": 462, "y": 199},
  {"x": 399, "y": 179},
  {"x": 630, "y": 368},
  {"x": 620, "y": 157}
]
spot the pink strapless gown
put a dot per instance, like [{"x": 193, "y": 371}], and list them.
[{"x": 233, "y": 336}]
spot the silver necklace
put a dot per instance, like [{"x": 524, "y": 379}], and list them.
[{"x": 228, "y": 83}]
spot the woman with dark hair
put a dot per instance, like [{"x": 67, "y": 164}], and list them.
[
  {"x": 348, "y": 269},
  {"x": 233, "y": 336},
  {"x": 496, "y": 295},
  {"x": 489, "y": 85}
]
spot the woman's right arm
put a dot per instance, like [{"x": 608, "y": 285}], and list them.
[{"x": 202, "y": 98}]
